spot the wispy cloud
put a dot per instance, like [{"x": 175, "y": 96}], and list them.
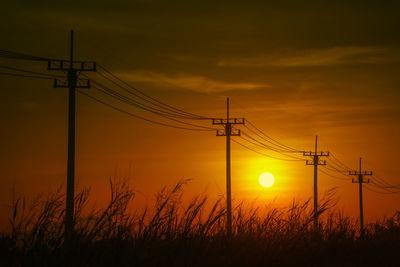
[
  {"x": 318, "y": 57},
  {"x": 189, "y": 82}
]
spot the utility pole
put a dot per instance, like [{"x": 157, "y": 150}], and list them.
[
  {"x": 360, "y": 180},
  {"x": 228, "y": 132},
  {"x": 72, "y": 82},
  {"x": 316, "y": 161}
]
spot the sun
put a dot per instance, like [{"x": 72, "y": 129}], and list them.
[{"x": 266, "y": 179}]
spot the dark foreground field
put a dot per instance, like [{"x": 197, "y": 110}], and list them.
[{"x": 174, "y": 234}]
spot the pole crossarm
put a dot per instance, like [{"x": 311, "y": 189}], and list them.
[
  {"x": 79, "y": 83},
  {"x": 357, "y": 181},
  {"x": 360, "y": 175},
  {"x": 318, "y": 162},
  {"x": 315, "y": 155},
  {"x": 65, "y": 65},
  {"x": 233, "y": 132},
  {"x": 228, "y": 121},
  {"x": 319, "y": 154},
  {"x": 363, "y": 173}
]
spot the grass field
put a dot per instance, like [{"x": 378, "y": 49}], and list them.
[{"x": 171, "y": 233}]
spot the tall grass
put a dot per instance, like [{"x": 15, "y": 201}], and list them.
[{"x": 174, "y": 233}]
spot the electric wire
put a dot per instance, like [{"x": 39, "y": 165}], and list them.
[
  {"x": 30, "y": 72},
  {"x": 261, "y": 153},
  {"x": 137, "y": 103},
  {"x": 380, "y": 192},
  {"x": 269, "y": 141},
  {"x": 122, "y": 99},
  {"x": 340, "y": 162},
  {"x": 372, "y": 182},
  {"x": 147, "y": 96},
  {"x": 272, "y": 139},
  {"x": 337, "y": 166},
  {"x": 384, "y": 182},
  {"x": 335, "y": 177},
  {"x": 21, "y": 56},
  {"x": 110, "y": 92},
  {"x": 262, "y": 145},
  {"x": 165, "y": 109},
  {"x": 333, "y": 168},
  {"x": 137, "y": 116},
  {"x": 25, "y": 76}
]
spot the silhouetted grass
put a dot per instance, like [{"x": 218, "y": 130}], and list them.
[{"x": 172, "y": 233}]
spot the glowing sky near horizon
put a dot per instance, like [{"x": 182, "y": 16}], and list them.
[{"x": 294, "y": 70}]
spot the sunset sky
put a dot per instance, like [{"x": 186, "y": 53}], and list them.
[{"x": 295, "y": 70}]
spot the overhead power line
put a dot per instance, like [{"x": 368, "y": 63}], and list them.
[
  {"x": 272, "y": 140},
  {"x": 137, "y": 116},
  {"x": 368, "y": 187},
  {"x": 136, "y": 103},
  {"x": 25, "y": 76},
  {"x": 30, "y": 72},
  {"x": 151, "y": 98},
  {"x": 129, "y": 102},
  {"x": 263, "y": 154},
  {"x": 21, "y": 56},
  {"x": 333, "y": 176},
  {"x": 260, "y": 144},
  {"x": 164, "y": 108}
]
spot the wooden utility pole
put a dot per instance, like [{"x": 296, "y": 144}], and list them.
[
  {"x": 228, "y": 132},
  {"x": 316, "y": 161},
  {"x": 72, "y": 82},
  {"x": 360, "y": 180}
]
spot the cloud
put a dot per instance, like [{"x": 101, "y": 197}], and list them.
[
  {"x": 190, "y": 82},
  {"x": 318, "y": 57}
]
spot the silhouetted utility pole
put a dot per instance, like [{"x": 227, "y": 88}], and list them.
[
  {"x": 72, "y": 82},
  {"x": 228, "y": 132},
  {"x": 316, "y": 161},
  {"x": 360, "y": 180}
]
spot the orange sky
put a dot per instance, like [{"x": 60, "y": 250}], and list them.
[{"x": 293, "y": 71}]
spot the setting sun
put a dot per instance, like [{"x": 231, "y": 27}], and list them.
[{"x": 266, "y": 179}]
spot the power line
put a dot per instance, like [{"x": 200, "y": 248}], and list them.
[
  {"x": 264, "y": 146},
  {"x": 149, "y": 97},
  {"x": 333, "y": 168},
  {"x": 340, "y": 162},
  {"x": 376, "y": 185},
  {"x": 25, "y": 76},
  {"x": 339, "y": 178},
  {"x": 164, "y": 108},
  {"x": 263, "y": 154},
  {"x": 29, "y": 71},
  {"x": 338, "y": 167},
  {"x": 273, "y": 140},
  {"x": 269, "y": 141},
  {"x": 136, "y": 116},
  {"x": 380, "y": 192},
  {"x": 131, "y": 102},
  {"x": 21, "y": 56},
  {"x": 385, "y": 183},
  {"x": 136, "y": 103},
  {"x": 169, "y": 118}
]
